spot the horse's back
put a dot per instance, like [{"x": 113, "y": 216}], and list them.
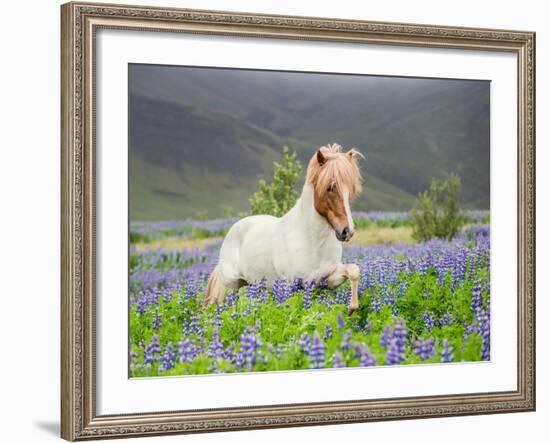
[{"x": 245, "y": 251}]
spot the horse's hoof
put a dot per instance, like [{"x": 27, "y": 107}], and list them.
[{"x": 352, "y": 308}]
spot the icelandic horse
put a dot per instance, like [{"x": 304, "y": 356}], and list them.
[{"x": 304, "y": 243}]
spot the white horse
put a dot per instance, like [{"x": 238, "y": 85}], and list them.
[{"x": 305, "y": 242}]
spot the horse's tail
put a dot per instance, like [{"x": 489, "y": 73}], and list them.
[{"x": 215, "y": 290}]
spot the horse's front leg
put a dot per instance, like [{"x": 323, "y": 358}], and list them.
[{"x": 350, "y": 271}]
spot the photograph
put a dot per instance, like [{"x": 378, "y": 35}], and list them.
[
  {"x": 281, "y": 218},
  {"x": 289, "y": 220}
]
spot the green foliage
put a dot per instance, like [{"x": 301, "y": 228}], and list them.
[
  {"x": 436, "y": 212},
  {"x": 276, "y": 199}
]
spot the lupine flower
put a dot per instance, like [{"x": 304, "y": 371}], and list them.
[
  {"x": 296, "y": 285},
  {"x": 168, "y": 358},
  {"x": 476, "y": 296},
  {"x": 400, "y": 335},
  {"x": 305, "y": 343},
  {"x": 317, "y": 354},
  {"x": 250, "y": 345},
  {"x": 308, "y": 294},
  {"x": 134, "y": 364},
  {"x": 346, "y": 340},
  {"x": 483, "y": 320},
  {"x": 393, "y": 357},
  {"x": 424, "y": 348},
  {"x": 447, "y": 352},
  {"x": 386, "y": 336},
  {"x": 187, "y": 350},
  {"x": 340, "y": 321},
  {"x": 152, "y": 352},
  {"x": 447, "y": 320},
  {"x": 192, "y": 326},
  {"x": 327, "y": 333},
  {"x": 216, "y": 346},
  {"x": 365, "y": 357},
  {"x": 429, "y": 320},
  {"x": 338, "y": 361},
  {"x": 157, "y": 320},
  {"x": 281, "y": 291}
]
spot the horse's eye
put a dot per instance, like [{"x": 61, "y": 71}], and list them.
[{"x": 330, "y": 188}]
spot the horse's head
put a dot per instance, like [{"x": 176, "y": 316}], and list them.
[{"x": 336, "y": 180}]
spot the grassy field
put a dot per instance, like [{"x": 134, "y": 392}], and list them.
[{"x": 419, "y": 303}]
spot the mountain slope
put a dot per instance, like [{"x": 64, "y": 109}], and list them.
[{"x": 209, "y": 134}]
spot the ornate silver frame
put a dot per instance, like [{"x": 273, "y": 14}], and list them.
[{"x": 79, "y": 22}]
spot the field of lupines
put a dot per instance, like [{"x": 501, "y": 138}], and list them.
[{"x": 421, "y": 303}]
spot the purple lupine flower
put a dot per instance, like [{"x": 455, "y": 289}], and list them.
[
  {"x": 216, "y": 346},
  {"x": 168, "y": 358},
  {"x": 400, "y": 334},
  {"x": 317, "y": 354},
  {"x": 229, "y": 353},
  {"x": 133, "y": 361},
  {"x": 308, "y": 295},
  {"x": 447, "y": 320},
  {"x": 476, "y": 296},
  {"x": 231, "y": 299},
  {"x": 187, "y": 350},
  {"x": 253, "y": 290},
  {"x": 250, "y": 345},
  {"x": 346, "y": 340},
  {"x": 375, "y": 304},
  {"x": 447, "y": 352},
  {"x": 281, "y": 291},
  {"x": 402, "y": 289},
  {"x": 365, "y": 357},
  {"x": 343, "y": 296},
  {"x": 152, "y": 352},
  {"x": 327, "y": 333},
  {"x": 192, "y": 326},
  {"x": 429, "y": 320},
  {"x": 424, "y": 348},
  {"x": 483, "y": 320},
  {"x": 386, "y": 336},
  {"x": 305, "y": 343},
  {"x": 157, "y": 320},
  {"x": 340, "y": 321},
  {"x": 338, "y": 361},
  {"x": 393, "y": 357},
  {"x": 296, "y": 285}
]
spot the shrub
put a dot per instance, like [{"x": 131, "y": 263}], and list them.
[
  {"x": 278, "y": 197},
  {"x": 436, "y": 212}
]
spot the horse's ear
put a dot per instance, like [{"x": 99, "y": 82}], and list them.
[
  {"x": 353, "y": 154},
  {"x": 321, "y": 158}
]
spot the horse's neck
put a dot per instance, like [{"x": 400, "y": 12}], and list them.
[{"x": 305, "y": 217}]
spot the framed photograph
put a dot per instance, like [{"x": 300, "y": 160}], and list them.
[{"x": 284, "y": 221}]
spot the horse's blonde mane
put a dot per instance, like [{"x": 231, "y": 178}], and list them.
[{"x": 340, "y": 170}]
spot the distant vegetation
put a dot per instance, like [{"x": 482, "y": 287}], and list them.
[
  {"x": 277, "y": 198},
  {"x": 436, "y": 212}
]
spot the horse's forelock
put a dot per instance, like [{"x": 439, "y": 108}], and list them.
[{"x": 340, "y": 169}]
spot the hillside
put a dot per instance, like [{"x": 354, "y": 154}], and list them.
[{"x": 200, "y": 138}]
